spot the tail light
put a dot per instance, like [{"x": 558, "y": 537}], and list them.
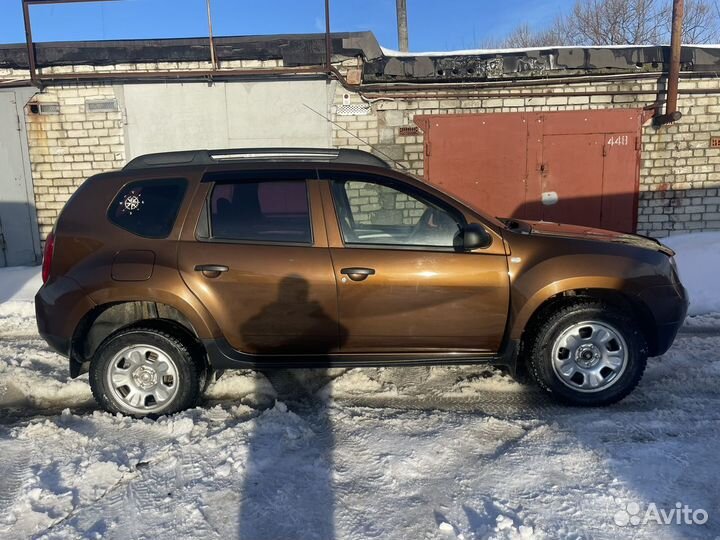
[{"x": 48, "y": 256}]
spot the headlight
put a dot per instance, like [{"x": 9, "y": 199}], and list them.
[{"x": 675, "y": 271}]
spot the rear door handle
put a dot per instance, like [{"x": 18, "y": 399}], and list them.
[
  {"x": 211, "y": 270},
  {"x": 358, "y": 274}
]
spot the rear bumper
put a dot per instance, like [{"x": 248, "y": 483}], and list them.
[
  {"x": 668, "y": 305},
  {"x": 59, "y": 306},
  {"x": 58, "y": 344}
]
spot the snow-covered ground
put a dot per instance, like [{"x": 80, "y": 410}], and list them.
[{"x": 407, "y": 453}]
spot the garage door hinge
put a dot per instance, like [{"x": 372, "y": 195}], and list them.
[
  {"x": 427, "y": 149},
  {"x": 604, "y": 150}
]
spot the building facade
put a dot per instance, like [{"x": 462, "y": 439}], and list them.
[{"x": 556, "y": 134}]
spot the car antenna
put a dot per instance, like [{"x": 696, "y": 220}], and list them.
[{"x": 397, "y": 164}]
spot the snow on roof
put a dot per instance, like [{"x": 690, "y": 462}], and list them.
[{"x": 474, "y": 52}]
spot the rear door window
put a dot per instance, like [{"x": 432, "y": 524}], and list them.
[
  {"x": 148, "y": 208},
  {"x": 263, "y": 211}
]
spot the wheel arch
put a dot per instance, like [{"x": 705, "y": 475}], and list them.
[
  {"x": 106, "y": 319},
  {"x": 532, "y": 314}
]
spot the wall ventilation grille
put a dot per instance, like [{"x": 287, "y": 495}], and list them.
[
  {"x": 101, "y": 105},
  {"x": 353, "y": 110},
  {"x": 48, "y": 108},
  {"x": 407, "y": 131}
]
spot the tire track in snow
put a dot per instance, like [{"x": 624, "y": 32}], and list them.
[
  {"x": 20, "y": 336},
  {"x": 15, "y": 458}
]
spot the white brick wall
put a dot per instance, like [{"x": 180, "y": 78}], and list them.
[{"x": 67, "y": 148}]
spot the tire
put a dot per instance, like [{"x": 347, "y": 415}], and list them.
[
  {"x": 587, "y": 353},
  {"x": 145, "y": 372}
]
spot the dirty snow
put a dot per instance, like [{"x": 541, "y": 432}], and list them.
[{"x": 421, "y": 453}]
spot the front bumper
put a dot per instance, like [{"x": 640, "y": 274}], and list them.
[{"x": 668, "y": 305}]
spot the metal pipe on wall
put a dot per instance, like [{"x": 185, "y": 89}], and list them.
[
  {"x": 29, "y": 43},
  {"x": 671, "y": 111},
  {"x": 328, "y": 41},
  {"x": 213, "y": 56}
]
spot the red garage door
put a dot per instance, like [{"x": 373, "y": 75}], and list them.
[{"x": 578, "y": 167}]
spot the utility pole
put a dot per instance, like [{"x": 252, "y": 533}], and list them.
[{"x": 402, "y": 25}]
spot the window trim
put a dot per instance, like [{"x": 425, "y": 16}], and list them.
[
  {"x": 333, "y": 177},
  {"x": 180, "y": 179},
  {"x": 247, "y": 178}
]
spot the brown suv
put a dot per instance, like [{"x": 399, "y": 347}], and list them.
[{"x": 184, "y": 264}]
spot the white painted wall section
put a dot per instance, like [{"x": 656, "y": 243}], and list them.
[{"x": 186, "y": 116}]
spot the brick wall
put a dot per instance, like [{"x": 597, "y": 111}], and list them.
[
  {"x": 68, "y": 147},
  {"x": 679, "y": 175}
]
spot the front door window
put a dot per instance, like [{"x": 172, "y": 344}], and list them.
[{"x": 375, "y": 213}]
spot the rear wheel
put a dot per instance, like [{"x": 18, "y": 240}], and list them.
[
  {"x": 143, "y": 372},
  {"x": 587, "y": 353}
]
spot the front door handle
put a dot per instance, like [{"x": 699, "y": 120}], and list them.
[
  {"x": 358, "y": 274},
  {"x": 211, "y": 270}
]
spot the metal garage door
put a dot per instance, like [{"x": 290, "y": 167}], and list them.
[
  {"x": 578, "y": 167},
  {"x": 19, "y": 241}
]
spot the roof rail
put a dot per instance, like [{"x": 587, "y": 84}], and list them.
[{"x": 212, "y": 157}]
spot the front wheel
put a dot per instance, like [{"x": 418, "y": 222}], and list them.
[
  {"x": 144, "y": 372},
  {"x": 587, "y": 353}
]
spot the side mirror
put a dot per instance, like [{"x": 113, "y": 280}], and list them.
[{"x": 473, "y": 236}]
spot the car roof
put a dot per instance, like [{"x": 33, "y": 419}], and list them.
[{"x": 255, "y": 155}]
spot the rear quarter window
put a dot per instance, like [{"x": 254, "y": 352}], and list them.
[{"x": 148, "y": 208}]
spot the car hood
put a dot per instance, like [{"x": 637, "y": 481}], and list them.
[{"x": 546, "y": 228}]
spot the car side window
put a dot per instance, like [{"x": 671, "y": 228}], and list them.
[
  {"x": 374, "y": 212},
  {"x": 264, "y": 211}
]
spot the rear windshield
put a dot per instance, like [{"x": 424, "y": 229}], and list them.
[{"x": 148, "y": 207}]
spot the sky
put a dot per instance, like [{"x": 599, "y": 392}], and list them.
[{"x": 433, "y": 24}]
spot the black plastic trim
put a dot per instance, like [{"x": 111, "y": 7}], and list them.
[{"x": 222, "y": 355}]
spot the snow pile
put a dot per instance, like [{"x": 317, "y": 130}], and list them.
[{"x": 698, "y": 259}]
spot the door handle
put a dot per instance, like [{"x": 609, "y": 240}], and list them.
[
  {"x": 211, "y": 270},
  {"x": 358, "y": 274}
]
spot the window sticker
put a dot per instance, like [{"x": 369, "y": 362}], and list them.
[{"x": 132, "y": 203}]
